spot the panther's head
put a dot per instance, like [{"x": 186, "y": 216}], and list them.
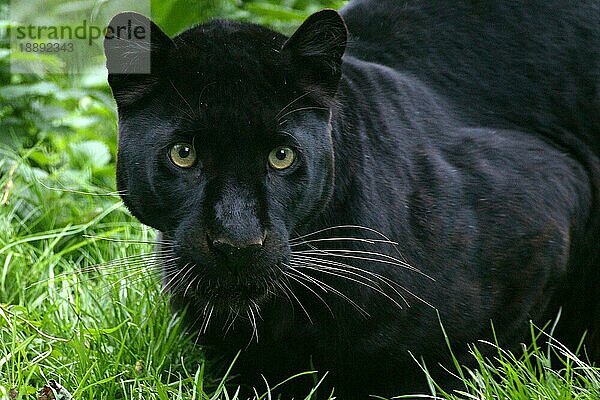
[{"x": 225, "y": 145}]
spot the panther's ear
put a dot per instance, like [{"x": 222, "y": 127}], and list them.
[
  {"x": 317, "y": 47},
  {"x": 136, "y": 50}
]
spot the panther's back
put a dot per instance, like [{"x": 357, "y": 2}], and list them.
[
  {"x": 533, "y": 66},
  {"x": 530, "y": 64}
]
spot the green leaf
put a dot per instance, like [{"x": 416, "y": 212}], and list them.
[
  {"x": 92, "y": 153},
  {"x": 278, "y": 13},
  {"x": 36, "y": 89}
]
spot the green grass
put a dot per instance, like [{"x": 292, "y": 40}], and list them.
[
  {"x": 71, "y": 312},
  {"x": 528, "y": 375}
]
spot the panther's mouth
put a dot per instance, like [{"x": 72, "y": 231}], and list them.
[
  {"x": 226, "y": 291},
  {"x": 234, "y": 295},
  {"x": 225, "y": 306},
  {"x": 222, "y": 293}
]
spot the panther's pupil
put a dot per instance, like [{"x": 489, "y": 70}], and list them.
[
  {"x": 184, "y": 152},
  {"x": 281, "y": 154}
]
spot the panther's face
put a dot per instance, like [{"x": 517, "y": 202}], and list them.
[{"x": 225, "y": 148}]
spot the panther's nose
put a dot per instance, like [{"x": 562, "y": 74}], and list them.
[{"x": 235, "y": 251}]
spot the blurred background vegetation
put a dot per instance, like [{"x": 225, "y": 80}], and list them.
[{"x": 63, "y": 127}]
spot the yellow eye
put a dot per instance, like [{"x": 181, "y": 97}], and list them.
[
  {"x": 183, "y": 155},
  {"x": 281, "y": 157}
]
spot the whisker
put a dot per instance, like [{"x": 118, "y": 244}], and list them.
[
  {"x": 130, "y": 281},
  {"x": 291, "y": 292},
  {"x": 103, "y": 270},
  {"x": 125, "y": 261},
  {"x": 167, "y": 286},
  {"x": 277, "y": 117},
  {"x": 120, "y": 280},
  {"x": 279, "y": 286},
  {"x": 133, "y": 241},
  {"x": 353, "y": 226},
  {"x": 330, "y": 228},
  {"x": 360, "y": 273},
  {"x": 252, "y": 319},
  {"x": 207, "y": 321},
  {"x": 206, "y": 315},
  {"x": 327, "y": 288},
  {"x": 301, "y": 109},
  {"x": 201, "y": 315},
  {"x": 340, "y": 239},
  {"x": 387, "y": 259},
  {"x": 233, "y": 314},
  {"x": 341, "y": 273},
  {"x": 189, "y": 285},
  {"x": 297, "y": 279},
  {"x": 257, "y": 309},
  {"x": 346, "y": 268},
  {"x": 140, "y": 272},
  {"x": 181, "y": 281},
  {"x": 350, "y": 268},
  {"x": 192, "y": 115},
  {"x": 201, "y": 94},
  {"x": 389, "y": 282},
  {"x": 64, "y": 189}
]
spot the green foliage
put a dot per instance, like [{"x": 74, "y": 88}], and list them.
[
  {"x": 529, "y": 374},
  {"x": 174, "y": 16}
]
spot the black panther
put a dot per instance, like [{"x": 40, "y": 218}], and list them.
[{"x": 327, "y": 200}]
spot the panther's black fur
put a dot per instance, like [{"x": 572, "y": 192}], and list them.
[{"x": 467, "y": 132}]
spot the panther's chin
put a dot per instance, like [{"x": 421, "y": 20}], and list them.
[
  {"x": 232, "y": 297},
  {"x": 216, "y": 295},
  {"x": 225, "y": 310}
]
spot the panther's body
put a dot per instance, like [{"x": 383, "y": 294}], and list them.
[{"x": 465, "y": 132}]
